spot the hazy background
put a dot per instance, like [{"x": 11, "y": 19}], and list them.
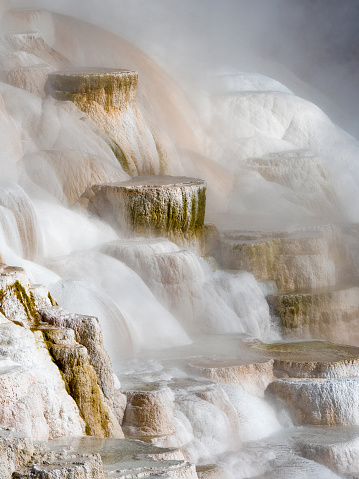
[{"x": 316, "y": 39}]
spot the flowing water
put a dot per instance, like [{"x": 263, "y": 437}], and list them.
[{"x": 272, "y": 161}]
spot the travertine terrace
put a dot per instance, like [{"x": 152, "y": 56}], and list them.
[
  {"x": 136, "y": 340},
  {"x": 152, "y": 206}
]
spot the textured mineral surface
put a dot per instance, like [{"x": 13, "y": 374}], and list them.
[{"x": 152, "y": 206}]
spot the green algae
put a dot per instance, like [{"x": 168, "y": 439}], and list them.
[
  {"x": 294, "y": 310},
  {"x": 110, "y": 89},
  {"x": 27, "y": 301},
  {"x": 82, "y": 383},
  {"x": 257, "y": 257},
  {"x": 184, "y": 217},
  {"x": 52, "y": 300},
  {"x": 48, "y": 341},
  {"x": 2, "y": 297}
]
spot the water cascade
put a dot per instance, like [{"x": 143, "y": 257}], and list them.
[{"x": 178, "y": 288}]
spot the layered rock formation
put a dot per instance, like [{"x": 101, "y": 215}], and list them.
[
  {"x": 330, "y": 314},
  {"x": 312, "y": 270},
  {"x": 216, "y": 400},
  {"x": 65, "y": 386},
  {"x": 322, "y": 382},
  {"x": 88, "y": 458},
  {"x": 317, "y": 359},
  {"x": 152, "y": 206},
  {"x": 30, "y": 62},
  {"x": 327, "y": 402},
  {"x": 296, "y": 261}
]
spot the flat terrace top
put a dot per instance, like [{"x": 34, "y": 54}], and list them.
[
  {"x": 310, "y": 351},
  {"x": 217, "y": 347},
  {"x": 111, "y": 450},
  {"x": 253, "y": 237},
  {"x": 326, "y": 436},
  {"x": 207, "y": 363},
  {"x": 158, "y": 181},
  {"x": 91, "y": 71}
]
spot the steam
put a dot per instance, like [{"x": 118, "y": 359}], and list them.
[
  {"x": 231, "y": 120},
  {"x": 252, "y": 138},
  {"x": 315, "y": 40}
]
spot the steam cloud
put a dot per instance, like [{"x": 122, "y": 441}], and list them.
[{"x": 316, "y": 39}]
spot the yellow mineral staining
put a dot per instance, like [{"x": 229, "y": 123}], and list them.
[
  {"x": 108, "y": 97},
  {"x": 82, "y": 383},
  {"x": 152, "y": 206}
]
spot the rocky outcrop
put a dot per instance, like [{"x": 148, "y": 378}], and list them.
[
  {"x": 31, "y": 78},
  {"x": 81, "y": 379},
  {"x": 17, "y": 299},
  {"x": 50, "y": 340},
  {"x": 16, "y": 450},
  {"x": 313, "y": 271},
  {"x": 22, "y": 401},
  {"x": 294, "y": 261},
  {"x": 88, "y": 333},
  {"x": 27, "y": 61},
  {"x": 62, "y": 466},
  {"x": 169, "y": 410},
  {"x": 322, "y": 385},
  {"x": 32, "y": 44},
  {"x": 34, "y": 397},
  {"x": 85, "y": 366},
  {"x": 131, "y": 458},
  {"x": 88, "y": 458},
  {"x": 152, "y": 206},
  {"x": 107, "y": 87}
]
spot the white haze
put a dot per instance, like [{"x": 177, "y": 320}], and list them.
[
  {"x": 315, "y": 40},
  {"x": 196, "y": 41},
  {"x": 254, "y": 117}
]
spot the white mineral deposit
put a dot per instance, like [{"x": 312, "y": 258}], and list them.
[{"x": 179, "y": 247}]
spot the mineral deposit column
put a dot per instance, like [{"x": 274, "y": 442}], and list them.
[
  {"x": 108, "y": 96},
  {"x": 152, "y": 206}
]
